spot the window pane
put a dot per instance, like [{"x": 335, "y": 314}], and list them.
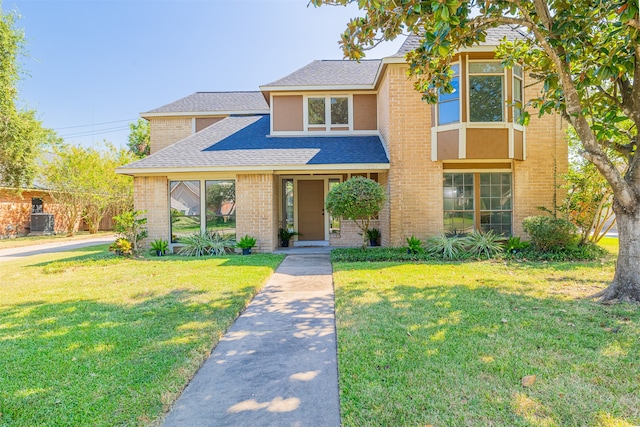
[
  {"x": 449, "y": 112},
  {"x": 517, "y": 70},
  {"x": 443, "y": 96},
  {"x": 334, "y": 222},
  {"x": 485, "y": 98},
  {"x": 316, "y": 111},
  {"x": 339, "y": 111},
  {"x": 185, "y": 208},
  {"x": 517, "y": 90},
  {"x": 220, "y": 204},
  {"x": 485, "y": 67}
]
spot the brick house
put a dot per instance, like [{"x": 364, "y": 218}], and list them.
[{"x": 253, "y": 162}]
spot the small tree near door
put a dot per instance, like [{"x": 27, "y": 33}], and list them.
[{"x": 357, "y": 199}]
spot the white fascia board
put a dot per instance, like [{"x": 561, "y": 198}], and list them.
[
  {"x": 204, "y": 113},
  {"x": 325, "y": 88},
  {"x": 259, "y": 168}
]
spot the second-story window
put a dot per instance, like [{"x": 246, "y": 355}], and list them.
[
  {"x": 449, "y": 103},
  {"x": 328, "y": 112},
  {"x": 486, "y": 92},
  {"x": 517, "y": 92}
]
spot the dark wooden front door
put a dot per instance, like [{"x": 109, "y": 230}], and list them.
[{"x": 311, "y": 209}]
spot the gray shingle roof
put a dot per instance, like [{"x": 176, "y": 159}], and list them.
[
  {"x": 216, "y": 101},
  {"x": 331, "y": 73},
  {"x": 244, "y": 141},
  {"x": 494, "y": 37}
]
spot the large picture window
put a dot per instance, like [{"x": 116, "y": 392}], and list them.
[
  {"x": 220, "y": 204},
  {"x": 486, "y": 92},
  {"x": 478, "y": 201},
  {"x": 449, "y": 103},
  {"x": 185, "y": 208}
]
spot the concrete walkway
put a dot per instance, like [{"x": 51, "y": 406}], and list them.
[
  {"x": 277, "y": 365},
  {"x": 44, "y": 248}
]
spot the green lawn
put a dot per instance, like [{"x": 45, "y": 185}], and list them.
[
  {"x": 448, "y": 344},
  {"x": 90, "y": 339}
]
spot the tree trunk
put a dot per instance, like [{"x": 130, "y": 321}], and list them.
[{"x": 626, "y": 281}]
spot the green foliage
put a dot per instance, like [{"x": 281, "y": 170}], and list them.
[
  {"x": 22, "y": 136},
  {"x": 513, "y": 245},
  {"x": 483, "y": 245},
  {"x": 373, "y": 234},
  {"x": 286, "y": 235},
  {"x": 589, "y": 200},
  {"x": 159, "y": 245},
  {"x": 203, "y": 244},
  {"x": 121, "y": 246},
  {"x": 378, "y": 254},
  {"x": 358, "y": 199},
  {"x": 414, "y": 245},
  {"x": 84, "y": 182},
  {"x": 446, "y": 248},
  {"x": 247, "y": 242},
  {"x": 582, "y": 252},
  {"x": 550, "y": 234},
  {"x": 128, "y": 225},
  {"x": 139, "y": 139}
]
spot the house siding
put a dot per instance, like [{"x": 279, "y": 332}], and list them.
[
  {"x": 257, "y": 211},
  {"x": 151, "y": 194},
  {"x": 168, "y": 130}
]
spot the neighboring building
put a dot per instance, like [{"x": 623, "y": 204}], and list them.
[{"x": 273, "y": 155}]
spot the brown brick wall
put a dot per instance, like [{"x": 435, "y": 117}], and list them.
[
  {"x": 151, "y": 195},
  {"x": 168, "y": 130},
  {"x": 534, "y": 180},
  {"x": 414, "y": 181},
  {"x": 257, "y": 212}
]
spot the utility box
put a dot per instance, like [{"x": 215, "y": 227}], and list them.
[{"x": 41, "y": 224}]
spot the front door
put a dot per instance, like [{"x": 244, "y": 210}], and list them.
[{"x": 311, "y": 209}]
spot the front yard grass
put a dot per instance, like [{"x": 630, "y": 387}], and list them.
[
  {"x": 448, "y": 344},
  {"x": 90, "y": 339}
]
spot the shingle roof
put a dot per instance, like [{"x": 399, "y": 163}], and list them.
[
  {"x": 331, "y": 73},
  {"x": 244, "y": 141},
  {"x": 216, "y": 101},
  {"x": 494, "y": 37}
]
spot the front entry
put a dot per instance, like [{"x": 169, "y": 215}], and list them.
[{"x": 311, "y": 209}]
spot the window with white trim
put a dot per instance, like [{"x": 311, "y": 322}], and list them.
[
  {"x": 518, "y": 89},
  {"x": 486, "y": 92},
  {"x": 480, "y": 200},
  {"x": 327, "y": 113}
]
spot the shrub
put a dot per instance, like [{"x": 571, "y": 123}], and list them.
[
  {"x": 129, "y": 226},
  {"x": 584, "y": 252},
  {"x": 446, "y": 248},
  {"x": 201, "y": 244},
  {"x": 550, "y": 234},
  {"x": 514, "y": 245},
  {"x": 482, "y": 245},
  {"x": 358, "y": 199},
  {"x": 121, "y": 246},
  {"x": 247, "y": 242},
  {"x": 414, "y": 245}
]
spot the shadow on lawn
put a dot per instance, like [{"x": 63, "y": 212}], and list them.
[
  {"x": 102, "y": 254},
  {"x": 444, "y": 352},
  {"x": 88, "y": 362}
]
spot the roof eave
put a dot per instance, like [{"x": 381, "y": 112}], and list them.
[
  {"x": 253, "y": 168},
  {"x": 323, "y": 88},
  {"x": 203, "y": 113}
]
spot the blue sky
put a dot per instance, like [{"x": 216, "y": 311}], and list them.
[{"x": 93, "y": 66}]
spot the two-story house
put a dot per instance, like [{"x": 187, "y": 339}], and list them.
[{"x": 254, "y": 162}]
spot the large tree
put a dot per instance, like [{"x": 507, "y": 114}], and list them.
[
  {"x": 83, "y": 181},
  {"x": 139, "y": 139},
  {"x": 21, "y": 134},
  {"x": 586, "y": 54}
]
